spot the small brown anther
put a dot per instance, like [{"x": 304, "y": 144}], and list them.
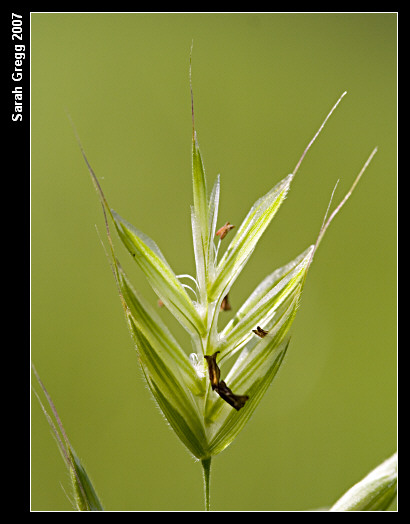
[
  {"x": 260, "y": 332},
  {"x": 223, "y": 231},
  {"x": 225, "y": 305}
]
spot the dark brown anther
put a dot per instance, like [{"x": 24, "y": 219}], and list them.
[
  {"x": 260, "y": 332},
  {"x": 219, "y": 386},
  {"x": 213, "y": 369},
  {"x": 223, "y": 231},
  {"x": 225, "y": 305},
  {"x": 236, "y": 401}
]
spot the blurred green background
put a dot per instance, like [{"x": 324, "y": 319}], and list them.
[{"x": 263, "y": 84}]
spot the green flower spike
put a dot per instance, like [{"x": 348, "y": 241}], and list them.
[{"x": 208, "y": 396}]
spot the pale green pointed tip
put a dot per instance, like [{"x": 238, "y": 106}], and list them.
[
  {"x": 86, "y": 498},
  {"x": 246, "y": 237},
  {"x": 373, "y": 493},
  {"x": 85, "y": 495}
]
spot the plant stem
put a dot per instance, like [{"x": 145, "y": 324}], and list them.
[{"x": 206, "y": 465}]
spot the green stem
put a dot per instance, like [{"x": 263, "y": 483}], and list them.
[{"x": 206, "y": 465}]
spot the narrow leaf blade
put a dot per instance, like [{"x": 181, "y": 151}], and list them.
[
  {"x": 265, "y": 304},
  {"x": 267, "y": 284},
  {"x": 199, "y": 188},
  {"x": 159, "y": 274},
  {"x": 200, "y": 212},
  {"x": 86, "y": 498},
  {"x": 84, "y": 492},
  {"x": 246, "y": 238},
  {"x": 252, "y": 365},
  {"x": 213, "y": 217},
  {"x": 236, "y": 420},
  {"x": 156, "y": 332},
  {"x": 176, "y": 401}
]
